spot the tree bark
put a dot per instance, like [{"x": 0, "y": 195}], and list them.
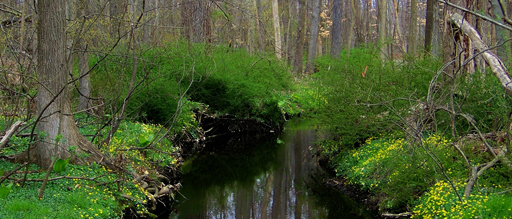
[
  {"x": 413, "y": 27},
  {"x": 497, "y": 67},
  {"x": 313, "y": 36},
  {"x": 117, "y": 11},
  {"x": 397, "y": 26},
  {"x": 84, "y": 89},
  {"x": 299, "y": 43},
  {"x": 259, "y": 26},
  {"x": 429, "y": 25},
  {"x": 336, "y": 29},
  {"x": 382, "y": 14},
  {"x": 277, "y": 29},
  {"x": 53, "y": 99}
]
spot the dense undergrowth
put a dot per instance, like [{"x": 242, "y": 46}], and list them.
[
  {"x": 227, "y": 81},
  {"x": 365, "y": 116},
  {"x": 170, "y": 85},
  {"x": 90, "y": 191}
]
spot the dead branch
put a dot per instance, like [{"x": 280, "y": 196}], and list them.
[
  {"x": 497, "y": 67},
  {"x": 404, "y": 214},
  {"x": 477, "y": 171},
  {"x": 9, "y": 133}
]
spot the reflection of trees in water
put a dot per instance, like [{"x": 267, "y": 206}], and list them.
[{"x": 277, "y": 190}]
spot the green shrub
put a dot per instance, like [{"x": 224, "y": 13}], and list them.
[
  {"x": 363, "y": 95},
  {"x": 234, "y": 83}
]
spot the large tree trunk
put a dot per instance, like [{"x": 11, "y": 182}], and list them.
[
  {"x": 336, "y": 29},
  {"x": 313, "y": 36},
  {"x": 277, "y": 29},
  {"x": 53, "y": 99}
]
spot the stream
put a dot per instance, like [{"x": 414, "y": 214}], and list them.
[{"x": 262, "y": 177}]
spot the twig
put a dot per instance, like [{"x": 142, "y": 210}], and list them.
[{"x": 12, "y": 172}]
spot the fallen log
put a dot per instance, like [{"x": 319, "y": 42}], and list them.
[{"x": 497, "y": 66}]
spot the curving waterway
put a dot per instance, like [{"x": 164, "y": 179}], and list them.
[{"x": 261, "y": 177}]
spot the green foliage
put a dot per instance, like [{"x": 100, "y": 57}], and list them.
[
  {"x": 395, "y": 171},
  {"x": 235, "y": 83},
  {"x": 134, "y": 133},
  {"x": 358, "y": 92},
  {"x": 74, "y": 197},
  {"x": 5, "y": 190},
  {"x": 60, "y": 165},
  {"x": 441, "y": 201},
  {"x": 485, "y": 100}
]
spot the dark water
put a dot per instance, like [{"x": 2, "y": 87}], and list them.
[{"x": 270, "y": 177}]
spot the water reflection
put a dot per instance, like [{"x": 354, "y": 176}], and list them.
[{"x": 263, "y": 181}]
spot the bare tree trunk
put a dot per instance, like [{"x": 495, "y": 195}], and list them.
[
  {"x": 117, "y": 12},
  {"x": 260, "y": 35},
  {"x": 429, "y": 25},
  {"x": 413, "y": 27},
  {"x": 53, "y": 99},
  {"x": 313, "y": 36},
  {"x": 84, "y": 89},
  {"x": 277, "y": 29},
  {"x": 359, "y": 23},
  {"x": 299, "y": 43},
  {"x": 397, "y": 27},
  {"x": 336, "y": 29},
  {"x": 351, "y": 30},
  {"x": 382, "y": 28}
]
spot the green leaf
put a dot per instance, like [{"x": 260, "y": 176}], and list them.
[
  {"x": 5, "y": 190},
  {"x": 1, "y": 172},
  {"x": 144, "y": 141},
  {"x": 58, "y": 137},
  {"x": 60, "y": 165}
]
